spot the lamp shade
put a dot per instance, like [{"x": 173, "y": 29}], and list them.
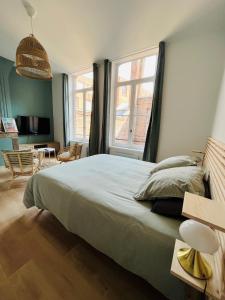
[
  {"x": 32, "y": 59},
  {"x": 199, "y": 236}
]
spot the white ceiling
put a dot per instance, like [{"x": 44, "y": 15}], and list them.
[{"x": 77, "y": 32}]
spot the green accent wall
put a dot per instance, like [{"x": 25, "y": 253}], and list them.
[{"x": 28, "y": 97}]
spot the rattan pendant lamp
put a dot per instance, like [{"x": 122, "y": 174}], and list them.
[{"x": 31, "y": 57}]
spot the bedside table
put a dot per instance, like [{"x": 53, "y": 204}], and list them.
[
  {"x": 177, "y": 271},
  {"x": 210, "y": 213}
]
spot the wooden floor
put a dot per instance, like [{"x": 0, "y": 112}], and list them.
[{"x": 39, "y": 259}]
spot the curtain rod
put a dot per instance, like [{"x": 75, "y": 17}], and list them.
[{"x": 116, "y": 58}]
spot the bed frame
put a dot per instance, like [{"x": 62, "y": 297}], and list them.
[{"x": 214, "y": 162}]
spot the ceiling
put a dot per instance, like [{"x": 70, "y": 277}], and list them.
[{"x": 77, "y": 32}]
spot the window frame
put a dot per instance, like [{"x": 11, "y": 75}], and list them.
[
  {"x": 133, "y": 84},
  {"x": 74, "y": 91}
]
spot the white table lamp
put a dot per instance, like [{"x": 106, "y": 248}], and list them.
[{"x": 201, "y": 238}]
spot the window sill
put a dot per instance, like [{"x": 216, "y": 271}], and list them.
[
  {"x": 79, "y": 142},
  {"x": 127, "y": 152},
  {"x": 125, "y": 149}
]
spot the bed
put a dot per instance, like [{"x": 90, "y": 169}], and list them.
[{"x": 93, "y": 198}]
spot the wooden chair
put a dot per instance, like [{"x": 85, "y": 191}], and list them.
[
  {"x": 4, "y": 158},
  {"x": 70, "y": 153},
  {"x": 21, "y": 163}
]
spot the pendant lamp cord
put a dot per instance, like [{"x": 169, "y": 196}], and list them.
[{"x": 31, "y": 24}]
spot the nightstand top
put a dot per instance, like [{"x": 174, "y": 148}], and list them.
[{"x": 177, "y": 271}]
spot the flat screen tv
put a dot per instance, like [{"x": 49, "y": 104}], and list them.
[{"x": 32, "y": 125}]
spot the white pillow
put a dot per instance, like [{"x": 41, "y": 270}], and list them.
[
  {"x": 174, "y": 162},
  {"x": 172, "y": 183},
  {"x": 65, "y": 155}
]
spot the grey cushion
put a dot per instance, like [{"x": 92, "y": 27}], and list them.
[
  {"x": 176, "y": 161},
  {"x": 172, "y": 182}
]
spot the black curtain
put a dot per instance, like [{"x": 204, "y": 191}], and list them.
[
  {"x": 66, "y": 127},
  {"x": 152, "y": 137},
  {"x": 6, "y": 66},
  {"x": 104, "y": 148},
  {"x": 95, "y": 124}
]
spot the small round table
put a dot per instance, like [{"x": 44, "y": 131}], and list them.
[{"x": 49, "y": 151}]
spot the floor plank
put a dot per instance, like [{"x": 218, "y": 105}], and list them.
[
  {"x": 29, "y": 282},
  {"x": 40, "y": 259}
]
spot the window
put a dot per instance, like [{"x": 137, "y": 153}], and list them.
[
  {"x": 81, "y": 104},
  {"x": 132, "y": 100}
]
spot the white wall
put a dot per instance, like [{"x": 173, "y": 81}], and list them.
[
  {"x": 57, "y": 96},
  {"x": 218, "y": 130},
  {"x": 193, "y": 72}
]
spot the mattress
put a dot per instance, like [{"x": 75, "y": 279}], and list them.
[{"x": 93, "y": 198}]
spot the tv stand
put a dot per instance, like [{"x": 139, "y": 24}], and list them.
[
  {"x": 55, "y": 145},
  {"x": 38, "y": 146}
]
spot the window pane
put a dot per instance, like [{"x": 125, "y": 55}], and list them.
[
  {"x": 88, "y": 109},
  {"x": 122, "y": 114},
  {"x": 78, "y": 115},
  {"x": 84, "y": 81},
  {"x": 129, "y": 71},
  {"x": 137, "y": 69},
  {"x": 124, "y": 72},
  {"x": 149, "y": 66},
  {"x": 142, "y": 110}
]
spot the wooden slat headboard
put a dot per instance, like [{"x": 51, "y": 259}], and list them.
[{"x": 214, "y": 162}]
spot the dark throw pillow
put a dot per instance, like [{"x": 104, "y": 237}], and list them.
[
  {"x": 168, "y": 207},
  {"x": 172, "y": 207}
]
